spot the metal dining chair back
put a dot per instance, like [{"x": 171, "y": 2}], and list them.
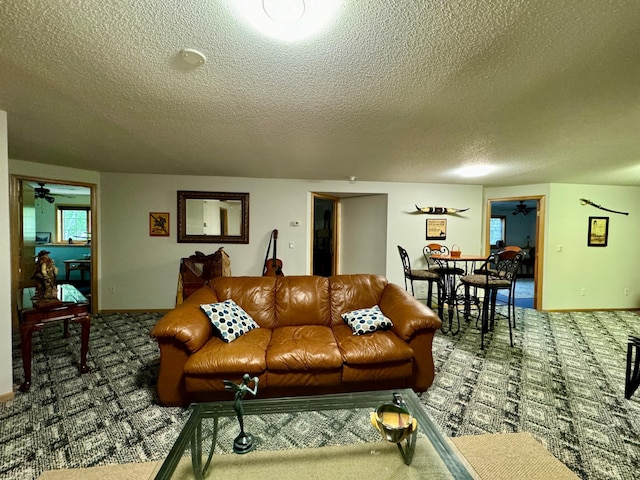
[
  {"x": 498, "y": 272},
  {"x": 424, "y": 275}
]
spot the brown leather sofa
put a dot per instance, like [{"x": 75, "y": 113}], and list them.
[{"x": 303, "y": 346}]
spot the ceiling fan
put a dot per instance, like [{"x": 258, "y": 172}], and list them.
[
  {"x": 42, "y": 192},
  {"x": 522, "y": 208}
]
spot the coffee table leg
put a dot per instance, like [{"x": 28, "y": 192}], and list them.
[
  {"x": 196, "y": 452},
  {"x": 214, "y": 438},
  {"x": 85, "y": 322},
  {"x": 410, "y": 448}
]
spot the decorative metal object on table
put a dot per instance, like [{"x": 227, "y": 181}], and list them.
[
  {"x": 244, "y": 441},
  {"x": 396, "y": 424},
  {"x": 44, "y": 276}
]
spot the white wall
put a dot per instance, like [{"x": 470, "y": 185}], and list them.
[
  {"x": 363, "y": 231},
  {"x": 604, "y": 272},
  {"x": 6, "y": 367},
  {"x": 143, "y": 270}
]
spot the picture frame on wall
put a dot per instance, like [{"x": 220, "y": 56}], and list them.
[
  {"x": 436, "y": 229},
  {"x": 598, "y": 232},
  {"x": 158, "y": 224},
  {"x": 43, "y": 238}
]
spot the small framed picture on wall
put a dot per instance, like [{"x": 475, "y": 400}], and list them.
[
  {"x": 158, "y": 224},
  {"x": 598, "y": 232},
  {"x": 436, "y": 229}
]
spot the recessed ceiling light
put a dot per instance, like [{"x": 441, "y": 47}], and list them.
[
  {"x": 475, "y": 170},
  {"x": 289, "y": 20}
]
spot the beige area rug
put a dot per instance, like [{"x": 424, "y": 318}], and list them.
[
  {"x": 511, "y": 456},
  {"x": 494, "y": 457}
]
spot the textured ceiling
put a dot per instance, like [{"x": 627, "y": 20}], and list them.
[{"x": 544, "y": 90}]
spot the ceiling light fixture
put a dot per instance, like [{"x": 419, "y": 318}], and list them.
[
  {"x": 284, "y": 11},
  {"x": 288, "y": 20},
  {"x": 475, "y": 170}
]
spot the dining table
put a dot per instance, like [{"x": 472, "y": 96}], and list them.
[{"x": 453, "y": 267}]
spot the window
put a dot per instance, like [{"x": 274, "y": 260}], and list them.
[
  {"x": 497, "y": 229},
  {"x": 73, "y": 223}
]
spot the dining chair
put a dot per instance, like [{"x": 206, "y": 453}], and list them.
[
  {"x": 498, "y": 272},
  {"x": 411, "y": 275},
  {"x": 432, "y": 251}
]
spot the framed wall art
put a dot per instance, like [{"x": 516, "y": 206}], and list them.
[
  {"x": 436, "y": 229},
  {"x": 43, "y": 237},
  {"x": 158, "y": 224},
  {"x": 598, "y": 232}
]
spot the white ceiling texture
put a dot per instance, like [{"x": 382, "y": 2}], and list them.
[{"x": 407, "y": 91}]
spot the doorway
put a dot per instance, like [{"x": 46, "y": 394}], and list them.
[
  {"x": 324, "y": 250},
  {"x": 520, "y": 221},
  {"x": 59, "y": 217}
]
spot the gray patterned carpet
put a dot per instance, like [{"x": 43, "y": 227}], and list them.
[{"x": 563, "y": 382}]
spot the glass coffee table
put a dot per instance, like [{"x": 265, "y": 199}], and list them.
[{"x": 192, "y": 455}]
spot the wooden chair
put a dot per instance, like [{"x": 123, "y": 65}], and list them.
[
  {"x": 411, "y": 275},
  {"x": 499, "y": 272}
]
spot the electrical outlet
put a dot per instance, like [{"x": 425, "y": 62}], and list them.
[
  {"x": 583, "y": 292},
  {"x": 113, "y": 289},
  {"x": 626, "y": 291}
]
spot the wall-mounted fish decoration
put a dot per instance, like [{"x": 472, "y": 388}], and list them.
[
  {"x": 440, "y": 210},
  {"x": 584, "y": 201}
]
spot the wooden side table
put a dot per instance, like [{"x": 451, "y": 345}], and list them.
[
  {"x": 82, "y": 265},
  {"x": 72, "y": 306}
]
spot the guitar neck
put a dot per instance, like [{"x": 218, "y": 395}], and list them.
[{"x": 275, "y": 244}]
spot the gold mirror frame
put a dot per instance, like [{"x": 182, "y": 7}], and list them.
[{"x": 184, "y": 198}]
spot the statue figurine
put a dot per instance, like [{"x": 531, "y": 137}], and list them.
[
  {"x": 244, "y": 441},
  {"x": 45, "y": 277}
]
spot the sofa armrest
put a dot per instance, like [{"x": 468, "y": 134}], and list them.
[
  {"x": 186, "y": 323},
  {"x": 408, "y": 315}
]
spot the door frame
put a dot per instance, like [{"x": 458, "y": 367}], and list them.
[
  {"x": 16, "y": 225},
  {"x": 539, "y": 243}
]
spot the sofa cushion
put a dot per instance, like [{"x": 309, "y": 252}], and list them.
[
  {"x": 352, "y": 292},
  {"x": 229, "y": 319},
  {"x": 302, "y": 300},
  {"x": 247, "y": 354},
  {"x": 306, "y": 347},
  {"x": 256, "y": 295},
  {"x": 367, "y": 320},
  {"x": 377, "y": 348}
]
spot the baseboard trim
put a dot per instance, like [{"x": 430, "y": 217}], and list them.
[{"x": 5, "y": 397}]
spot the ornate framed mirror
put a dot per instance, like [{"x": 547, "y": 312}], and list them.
[{"x": 213, "y": 217}]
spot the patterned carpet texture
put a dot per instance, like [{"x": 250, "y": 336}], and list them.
[{"x": 563, "y": 382}]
